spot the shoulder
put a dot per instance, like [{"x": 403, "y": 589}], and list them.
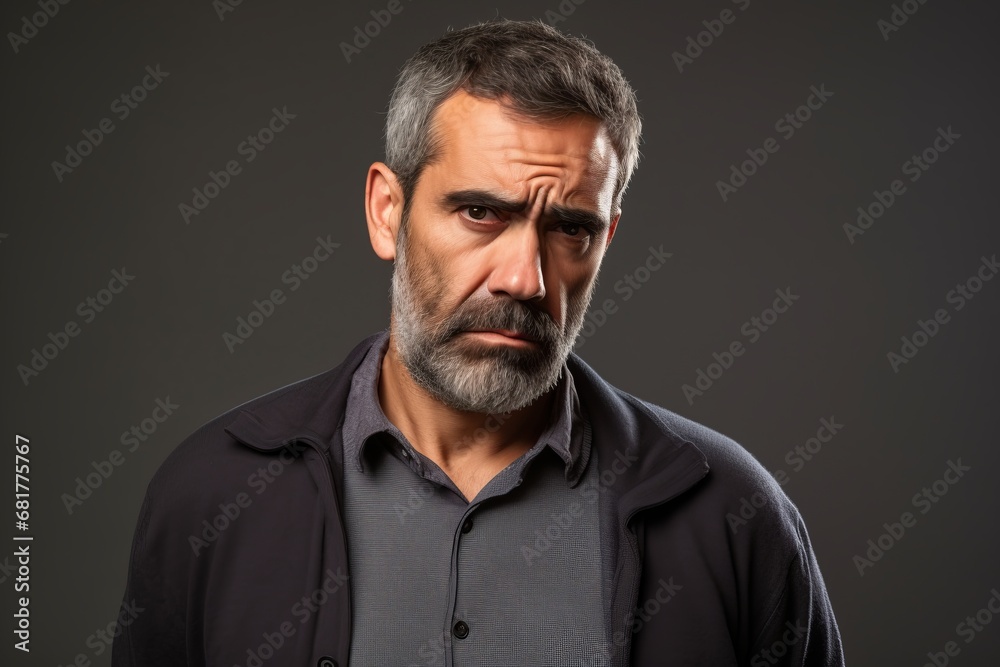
[
  {"x": 728, "y": 460},
  {"x": 737, "y": 493},
  {"x": 738, "y": 490},
  {"x": 212, "y": 467},
  {"x": 207, "y": 458},
  {"x": 239, "y": 450}
]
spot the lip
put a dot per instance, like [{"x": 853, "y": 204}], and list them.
[{"x": 507, "y": 333}]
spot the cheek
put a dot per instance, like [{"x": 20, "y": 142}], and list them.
[
  {"x": 458, "y": 270},
  {"x": 438, "y": 279},
  {"x": 429, "y": 281},
  {"x": 567, "y": 287},
  {"x": 574, "y": 275}
]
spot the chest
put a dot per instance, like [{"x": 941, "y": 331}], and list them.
[{"x": 516, "y": 577}]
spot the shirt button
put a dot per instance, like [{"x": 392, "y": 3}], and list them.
[
  {"x": 461, "y": 629},
  {"x": 326, "y": 661},
  {"x": 405, "y": 454},
  {"x": 467, "y": 525}
]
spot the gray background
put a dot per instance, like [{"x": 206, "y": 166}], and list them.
[{"x": 826, "y": 357}]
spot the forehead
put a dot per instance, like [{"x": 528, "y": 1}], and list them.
[{"x": 485, "y": 141}]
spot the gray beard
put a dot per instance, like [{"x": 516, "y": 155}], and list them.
[{"x": 467, "y": 375}]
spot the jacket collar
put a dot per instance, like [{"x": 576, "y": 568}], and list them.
[
  {"x": 312, "y": 408},
  {"x": 640, "y": 457}
]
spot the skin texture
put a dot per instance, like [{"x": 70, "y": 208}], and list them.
[{"x": 470, "y": 264}]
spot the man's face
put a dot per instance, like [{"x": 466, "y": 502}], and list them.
[{"x": 498, "y": 262}]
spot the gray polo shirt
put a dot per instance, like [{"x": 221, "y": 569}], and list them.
[{"x": 514, "y": 577}]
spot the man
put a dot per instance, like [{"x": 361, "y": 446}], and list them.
[{"x": 462, "y": 489}]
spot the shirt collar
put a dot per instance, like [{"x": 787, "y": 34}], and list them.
[{"x": 567, "y": 432}]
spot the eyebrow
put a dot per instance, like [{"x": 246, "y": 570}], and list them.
[{"x": 576, "y": 216}]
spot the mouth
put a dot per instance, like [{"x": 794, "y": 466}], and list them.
[{"x": 504, "y": 334}]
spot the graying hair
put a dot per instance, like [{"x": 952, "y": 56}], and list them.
[{"x": 531, "y": 67}]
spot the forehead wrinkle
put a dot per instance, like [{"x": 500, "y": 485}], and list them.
[
  {"x": 517, "y": 152},
  {"x": 570, "y": 189}
]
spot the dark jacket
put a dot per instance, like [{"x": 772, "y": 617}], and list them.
[{"x": 239, "y": 555}]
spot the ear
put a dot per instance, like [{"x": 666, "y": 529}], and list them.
[
  {"x": 612, "y": 228},
  {"x": 383, "y": 209}
]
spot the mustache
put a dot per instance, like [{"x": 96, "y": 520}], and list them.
[{"x": 508, "y": 314}]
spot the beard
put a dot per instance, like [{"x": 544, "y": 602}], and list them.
[{"x": 465, "y": 373}]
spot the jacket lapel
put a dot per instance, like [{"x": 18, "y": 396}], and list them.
[{"x": 642, "y": 464}]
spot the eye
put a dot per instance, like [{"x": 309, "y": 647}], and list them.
[
  {"x": 477, "y": 213},
  {"x": 572, "y": 230}
]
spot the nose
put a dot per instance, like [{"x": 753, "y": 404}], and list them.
[{"x": 518, "y": 264}]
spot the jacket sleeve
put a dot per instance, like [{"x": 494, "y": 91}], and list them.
[
  {"x": 801, "y": 630},
  {"x": 152, "y": 621}
]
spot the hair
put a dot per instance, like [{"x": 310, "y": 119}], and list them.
[{"x": 530, "y": 67}]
